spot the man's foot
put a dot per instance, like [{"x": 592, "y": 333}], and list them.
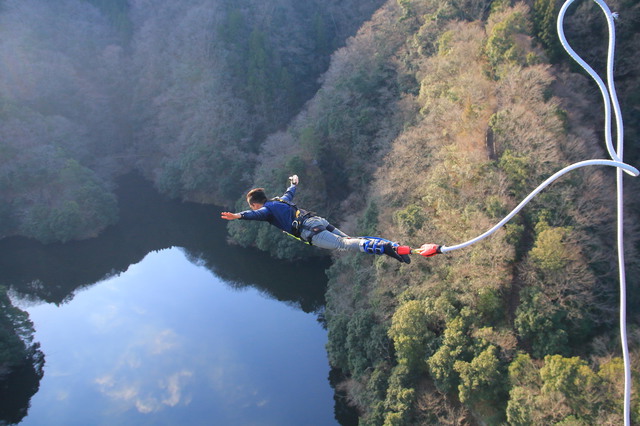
[{"x": 390, "y": 250}]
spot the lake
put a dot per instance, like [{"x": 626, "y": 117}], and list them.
[{"x": 160, "y": 321}]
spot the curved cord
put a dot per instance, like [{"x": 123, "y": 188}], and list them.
[
  {"x": 619, "y": 180},
  {"x": 623, "y": 301},
  {"x": 606, "y": 94},
  {"x": 622, "y": 166},
  {"x": 610, "y": 98}
]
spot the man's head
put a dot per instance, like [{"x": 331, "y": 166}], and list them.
[{"x": 256, "y": 198}]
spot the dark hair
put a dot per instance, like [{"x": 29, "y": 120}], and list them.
[{"x": 257, "y": 196}]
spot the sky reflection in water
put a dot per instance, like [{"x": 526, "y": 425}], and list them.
[{"x": 168, "y": 342}]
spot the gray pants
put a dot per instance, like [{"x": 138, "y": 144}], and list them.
[{"x": 334, "y": 240}]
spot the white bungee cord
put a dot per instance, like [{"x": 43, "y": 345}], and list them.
[
  {"x": 610, "y": 99},
  {"x": 543, "y": 185}
]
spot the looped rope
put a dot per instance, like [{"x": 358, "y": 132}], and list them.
[{"x": 610, "y": 99}]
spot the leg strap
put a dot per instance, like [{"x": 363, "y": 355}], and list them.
[
  {"x": 374, "y": 245},
  {"x": 315, "y": 231}
]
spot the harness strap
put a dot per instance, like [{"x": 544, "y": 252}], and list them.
[
  {"x": 315, "y": 231},
  {"x": 298, "y": 223},
  {"x": 300, "y": 216},
  {"x": 374, "y": 245}
]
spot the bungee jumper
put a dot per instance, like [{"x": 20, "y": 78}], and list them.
[{"x": 310, "y": 228}]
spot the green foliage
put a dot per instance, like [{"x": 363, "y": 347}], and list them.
[
  {"x": 411, "y": 335},
  {"x": 269, "y": 74},
  {"x": 520, "y": 406},
  {"x": 201, "y": 92},
  {"x": 569, "y": 376},
  {"x": 490, "y": 305},
  {"x": 321, "y": 34},
  {"x": 482, "y": 378},
  {"x": 16, "y": 334},
  {"x": 259, "y": 83},
  {"x": 517, "y": 168},
  {"x": 612, "y": 376},
  {"x": 502, "y": 46},
  {"x": 231, "y": 30},
  {"x": 522, "y": 371},
  {"x": 578, "y": 394},
  {"x": 407, "y": 8},
  {"x": 368, "y": 223},
  {"x": 495, "y": 207},
  {"x": 56, "y": 200},
  {"x": 545, "y": 15},
  {"x": 498, "y": 6},
  {"x": 514, "y": 232},
  {"x": 541, "y": 323},
  {"x": 400, "y": 397},
  {"x": 190, "y": 172},
  {"x": 337, "y": 326},
  {"x": 549, "y": 252},
  {"x": 366, "y": 342},
  {"x": 378, "y": 383},
  {"x": 411, "y": 218},
  {"x": 531, "y": 282},
  {"x": 455, "y": 346},
  {"x": 525, "y": 397},
  {"x": 310, "y": 141},
  {"x": 357, "y": 344},
  {"x": 278, "y": 243},
  {"x": 572, "y": 378}
]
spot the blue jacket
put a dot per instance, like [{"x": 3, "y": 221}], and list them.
[{"x": 280, "y": 215}]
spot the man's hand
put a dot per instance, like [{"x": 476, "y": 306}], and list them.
[
  {"x": 229, "y": 215},
  {"x": 294, "y": 179}
]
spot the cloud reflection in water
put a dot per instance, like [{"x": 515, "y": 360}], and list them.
[{"x": 168, "y": 342}]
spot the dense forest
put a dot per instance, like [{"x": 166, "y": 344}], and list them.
[
  {"x": 417, "y": 120},
  {"x": 181, "y": 92},
  {"x": 184, "y": 92}
]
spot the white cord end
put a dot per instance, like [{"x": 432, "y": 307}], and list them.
[{"x": 630, "y": 170}]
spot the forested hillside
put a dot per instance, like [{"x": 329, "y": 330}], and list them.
[
  {"x": 182, "y": 91},
  {"x": 427, "y": 126},
  {"x": 431, "y": 124}
]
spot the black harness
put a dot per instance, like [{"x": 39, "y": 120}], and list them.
[{"x": 297, "y": 226}]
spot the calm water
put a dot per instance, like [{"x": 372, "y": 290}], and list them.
[{"x": 159, "y": 321}]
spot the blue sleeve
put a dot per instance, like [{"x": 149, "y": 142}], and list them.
[
  {"x": 291, "y": 191},
  {"x": 261, "y": 214}
]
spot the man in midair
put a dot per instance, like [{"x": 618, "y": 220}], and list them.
[{"x": 282, "y": 213}]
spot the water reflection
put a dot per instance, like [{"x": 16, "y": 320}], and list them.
[
  {"x": 149, "y": 223},
  {"x": 17, "y": 388},
  {"x": 168, "y": 342}
]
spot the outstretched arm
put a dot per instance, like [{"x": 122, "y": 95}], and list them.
[
  {"x": 230, "y": 216},
  {"x": 262, "y": 214},
  {"x": 291, "y": 191}
]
